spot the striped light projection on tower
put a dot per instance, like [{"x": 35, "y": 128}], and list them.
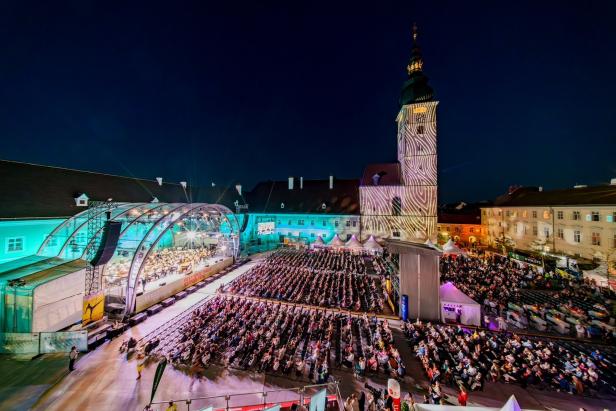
[{"x": 407, "y": 210}]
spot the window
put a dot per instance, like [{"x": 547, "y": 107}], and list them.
[
  {"x": 508, "y": 213},
  {"x": 324, "y": 223},
  {"x": 472, "y": 230},
  {"x": 300, "y": 222},
  {"x": 577, "y": 236},
  {"x": 525, "y": 229},
  {"x": 14, "y": 244},
  {"x": 395, "y": 234},
  {"x": 348, "y": 223},
  {"x": 576, "y": 216},
  {"x": 354, "y": 223},
  {"x": 289, "y": 222},
  {"x": 420, "y": 129},
  {"x": 312, "y": 222},
  {"x": 595, "y": 216},
  {"x": 560, "y": 215},
  {"x": 524, "y": 213},
  {"x": 396, "y": 206},
  {"x": 561, "y": 233},
  {"x": 535, "y": 231},
  {"x": 336, "y": 223},
  {"x": 614, "y": 241},
  {"x": 534, "y": 214},
  {"x": 546, "y": 214},
  {"x": 596, "y": 238},
  {"x": 311, "y": 234},
  {"x": 546, "y": 231},
  {"x": 348, "y": 237}
]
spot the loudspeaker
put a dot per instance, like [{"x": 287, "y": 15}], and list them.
[{"x": 109, "y": 242}]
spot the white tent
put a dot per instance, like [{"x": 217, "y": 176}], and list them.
[
  {"x": 458, "y": 307},
  {"x": 336, "y": 242},
  {"x": 429, "y": 243},
  {"x": 353, "y": 243},
  {"x": 372, "y": 245},
  {"x": 510, "y": 405},
  {"x": 318, "y": 242},
  {"x": 451, "y": 248}
]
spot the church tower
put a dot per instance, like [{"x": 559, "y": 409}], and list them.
[
  {"x": 399, "y": 200},
  {"x": 417, "y": 131}
]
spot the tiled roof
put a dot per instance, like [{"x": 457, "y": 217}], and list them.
[
  {"x": 37, "y": 191},
  {"x": 314, "y": 197},
  {"x": 531, "y": 196}
]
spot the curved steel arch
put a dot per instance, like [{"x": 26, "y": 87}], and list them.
[
  {"x": 137, "y": 265},
  {"x": 91, "y": 242},
  {"x": 64, "y": 224},
  {"x": 131, "y": 206}
]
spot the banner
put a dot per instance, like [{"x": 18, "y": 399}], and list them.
[
  {"x": 63, "y": 341},
  {"x": 160, "y": 369},
  {"x": 393, "y": 388},
  {"x": 93, "y": 308},
  {"x": 318, "y": 401},
  {"x": 404, "y": 310}
]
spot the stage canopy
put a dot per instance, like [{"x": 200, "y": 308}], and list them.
[
  {"x": 318, "y": 242},
  {"x": 458, "y": 307}
]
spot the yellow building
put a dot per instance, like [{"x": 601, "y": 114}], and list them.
[{"x": 579, "y": 221}]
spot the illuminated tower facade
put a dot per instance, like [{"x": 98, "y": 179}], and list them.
[{"x": 400, "y": 200}]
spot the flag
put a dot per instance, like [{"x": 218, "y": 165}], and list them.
[{"x": 160, "y": 369}]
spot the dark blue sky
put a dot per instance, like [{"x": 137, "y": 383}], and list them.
[{"x": 187, "y": 90}]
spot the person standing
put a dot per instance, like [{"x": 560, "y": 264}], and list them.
[
  {"x": 462, "y": 397},
  {"x": 72, "y": 356}
]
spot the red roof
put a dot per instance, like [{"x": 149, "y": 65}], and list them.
[{"x": 389, "y": 175}]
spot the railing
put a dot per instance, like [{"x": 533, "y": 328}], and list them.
[{"x": 255, "y": 401}]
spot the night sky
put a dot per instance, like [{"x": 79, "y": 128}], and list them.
[{"x": 188, "y": 91}]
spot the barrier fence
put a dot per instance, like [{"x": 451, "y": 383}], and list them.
[
  {"x": 256, "y": 401},
  {"x": 43, "y": 342}
]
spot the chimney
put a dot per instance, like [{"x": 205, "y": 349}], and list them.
[
  {"x": 331, "y": 182},
  {"x": 238, "y": 187},
  {"x": 160, "y": 181},
  {"x": 183, "y": 184},
  {"x": 301, "y": 183},
  {"x": 290, "y": 183}
]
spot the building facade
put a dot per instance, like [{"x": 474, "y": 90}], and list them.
[
  {"x": 579, "y": 222},
  {"x": 399, "y": 200}
]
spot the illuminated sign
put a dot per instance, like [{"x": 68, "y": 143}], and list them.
[{"x": 266, "y": 228}]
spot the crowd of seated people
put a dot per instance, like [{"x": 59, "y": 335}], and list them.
[
  {"x": 321, "y": 259},
  {"x": 276, "y": 338},
  {"x": 531, "y": 299},
  {"x": 492, "y": 282},
  {"x": 286, "y": 276},
  {"x": 455, "y": 356}
]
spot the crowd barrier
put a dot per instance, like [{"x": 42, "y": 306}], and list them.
[{"x": 43, "y": 342}]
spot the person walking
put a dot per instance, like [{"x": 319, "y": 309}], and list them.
[
  {"x": 462, "y": 396},
  {"x": 72, "y": 356},
  {"x": 172, "y": 407},
  {"x": 140, "y": 366}
]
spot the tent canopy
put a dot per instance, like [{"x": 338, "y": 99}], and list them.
[
  {"x": 336, "y": 241},
  {"x": 353, "y": 243},
  {"x": 372, "y": 245},
  {"x": 450, "y": 248},
  {"x": 450, "y": 294},
  {"x": 510, "y": 405}
]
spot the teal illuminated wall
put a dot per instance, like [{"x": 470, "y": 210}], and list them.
[
  {"x": 297, "y": 227},
  {"x": 20, "y": 238}
]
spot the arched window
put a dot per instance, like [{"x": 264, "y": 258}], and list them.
[{"x": 396, "y": 206}]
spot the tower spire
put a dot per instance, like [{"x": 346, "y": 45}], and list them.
[
  {"x": 416, "y": 62},
  {"x": 415, "y": 89}
]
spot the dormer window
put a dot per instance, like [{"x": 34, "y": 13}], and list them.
[
  {"x": 281, "y": 205},
  {"x": 323, "y": 206},
  {"x": 82, "y": 200},
  {"x": 375, "y": 179}
]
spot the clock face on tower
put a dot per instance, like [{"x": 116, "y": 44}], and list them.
[{"x": 420, "y": 118}]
